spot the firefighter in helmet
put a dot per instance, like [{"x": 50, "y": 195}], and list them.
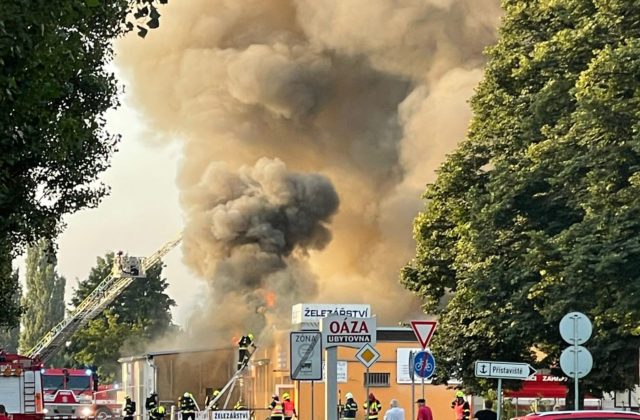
[
  {"x": 350, "y": 408},
  {"x": 151, "y": 403},
  {"x": 187, "y": 406},
  {"x": 129, "y": 408},
  {"x": 374, "y": 406},
  {"x": 245, "y": 342},
  {"x": 461, "y": 407},
  {"x": 209, "y": 399}
]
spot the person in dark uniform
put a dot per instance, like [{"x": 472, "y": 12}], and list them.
[
  {"x": 151, "y": 403},
  {"x": 187, "y": 406},
  {"x": 129, "y": 408},
  {"x": 243, "y": 350}
]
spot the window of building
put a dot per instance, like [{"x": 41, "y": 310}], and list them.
[{"x": 377, "y": 379}]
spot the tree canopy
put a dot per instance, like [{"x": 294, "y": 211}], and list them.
[
  {"x": 55, "y": 87},
  {"x": 44, "y": 297},
  {"x": 140, "y": 315},
  {"x": 536, "y": 212}
]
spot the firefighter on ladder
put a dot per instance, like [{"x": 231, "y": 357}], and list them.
[
  {"x": 243, "y": 346},
  {"x": 212, "y": 397}
]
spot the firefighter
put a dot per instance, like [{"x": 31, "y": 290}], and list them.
[
  {"x": 277, "y": 409},
  {"x": 374, "y": 407},
  {"x": 158, "y": 413},
  {"x": 243, "y": 346},
  {"x": 212, "y": 397},
  {"x": 288, "y": 406},
  {"x": 461, "y": 407},
  {"x": 187, "y": 406},
  {"x": 350, "y": 407},
  {"x": 129, "y": 408},
  {"x": 151, "y": 403}
]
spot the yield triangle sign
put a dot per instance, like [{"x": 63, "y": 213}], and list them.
[{"x": 424, "y": 331}]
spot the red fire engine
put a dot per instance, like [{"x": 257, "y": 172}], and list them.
[
  {"x": 21, "y": 387},
  {"x": 75, "y": 393}
]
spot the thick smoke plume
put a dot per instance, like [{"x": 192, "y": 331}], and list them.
[
  {"x": 370, "y": 93},
  {"x": 242, "y": 230}
]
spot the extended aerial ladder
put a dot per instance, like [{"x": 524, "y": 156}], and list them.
[
  {"x": 126, "y": 269},
  {"x": 229, "y": 386}
]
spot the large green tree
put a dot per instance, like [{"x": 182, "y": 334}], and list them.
[
  {"x": 9, "y": 336},
  {"x": 44, "y": 298},
  {"x": 536, "y": 213},
  {"x": 140, "y": 315},
  {"x": 55, "y": 87}
]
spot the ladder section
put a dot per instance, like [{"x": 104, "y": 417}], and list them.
[
  {"x": 231, "y": 384},
  {"x": 29, "y": 392},
  {"x": 105, "y": 293}
]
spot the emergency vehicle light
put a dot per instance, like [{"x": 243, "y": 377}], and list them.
[{"x": 88, "y": 372}]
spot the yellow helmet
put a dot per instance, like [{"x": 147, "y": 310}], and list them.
[
  {"x": 216, "y": 392},
  {"x": 286, "y": 396},
  {"x": 250, "y": 336},
  {"x": 459, "y": 394}
]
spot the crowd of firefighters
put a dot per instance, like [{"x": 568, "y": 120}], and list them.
[{"x": 285, "y": 409}]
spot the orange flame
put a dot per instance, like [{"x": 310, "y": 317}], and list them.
[{"x": 270, "y": 298}]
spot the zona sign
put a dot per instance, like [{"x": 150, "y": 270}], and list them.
[{"x": 348, "y": 332}]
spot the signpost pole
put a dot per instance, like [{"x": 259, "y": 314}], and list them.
[
  {"x": 413, "y": 384},
  {"x": 575, "y": 362},
  {"x": 331, "y": 384},
  {"x": 313, "y": 397},
  {"x": 423, "y": 387},
  {"x": 367, "y": 398},
  {"x": 499, "y": 408}
]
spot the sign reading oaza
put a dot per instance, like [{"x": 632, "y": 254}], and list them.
[{"x": 348, "y": 332}]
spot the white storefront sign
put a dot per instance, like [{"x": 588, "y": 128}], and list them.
[
  {"x": 342, "y": 371},
  {"x": 314, "y": 312},
  {"x": 231, "y": 415},
  {"x": 347, "y": 332}
]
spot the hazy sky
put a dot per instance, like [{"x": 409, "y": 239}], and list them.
[{"x": 140, "y": 215}]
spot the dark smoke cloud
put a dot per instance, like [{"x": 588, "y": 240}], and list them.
[
  {"x": 371, "y": 93},
  {"x": 242, "y": 231}
]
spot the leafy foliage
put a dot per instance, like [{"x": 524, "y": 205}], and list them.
[
  {"x": 54, "y": 90},
  {"x": 536, "y": 213},
  {"x": 9, "y": 336},
  {"x": 10, "y": 308},
  {"x": 44, "y": 299},
  {"x": 141, "y": 314}
]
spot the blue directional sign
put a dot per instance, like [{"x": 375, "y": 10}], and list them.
[{"x": 424, "y": 364}]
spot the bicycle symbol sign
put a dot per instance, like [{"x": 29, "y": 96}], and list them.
[{"x": 424, "y": 364}]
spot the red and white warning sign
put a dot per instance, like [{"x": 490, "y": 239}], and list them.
[{"x": 424, "y": 331}]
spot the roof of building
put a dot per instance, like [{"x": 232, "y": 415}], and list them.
[{"x": 152, "y": 354}]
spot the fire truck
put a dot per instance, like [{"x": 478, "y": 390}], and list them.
[
  {"x": 75, "y": 393},
  {"x": 21, "y": 387}
]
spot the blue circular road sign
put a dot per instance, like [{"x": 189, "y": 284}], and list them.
[{"x": 424, "y": 364}]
